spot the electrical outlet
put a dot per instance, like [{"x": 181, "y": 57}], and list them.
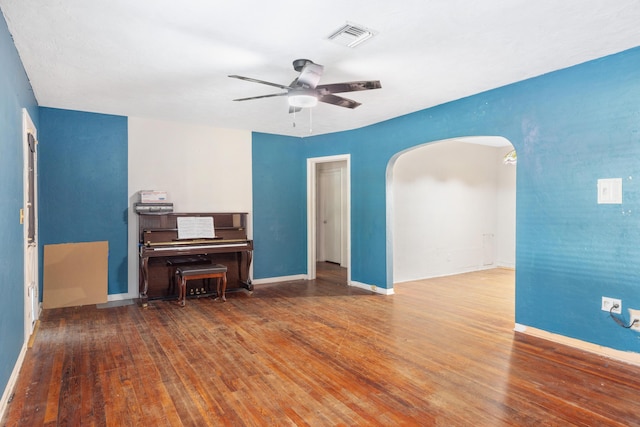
[
  {"x": 634, "y": 315},
  {"x": 608, "y": 303}
]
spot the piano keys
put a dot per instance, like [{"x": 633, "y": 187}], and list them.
[{"x": 161, "y": 252}]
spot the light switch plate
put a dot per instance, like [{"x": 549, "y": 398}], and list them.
[{"x": 610, "y": 191}]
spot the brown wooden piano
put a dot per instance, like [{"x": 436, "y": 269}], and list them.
[{"x": 162, "y": 251}]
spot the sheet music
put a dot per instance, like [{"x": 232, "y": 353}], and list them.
[{"x": 195, "y": 227}]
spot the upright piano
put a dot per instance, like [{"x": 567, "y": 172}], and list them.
[{"x": 162, "y": 251}]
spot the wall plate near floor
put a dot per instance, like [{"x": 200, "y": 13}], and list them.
[{"x": 608, "y": 303}]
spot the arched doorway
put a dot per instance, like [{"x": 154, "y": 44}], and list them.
[{"x": 451, "y": 208}]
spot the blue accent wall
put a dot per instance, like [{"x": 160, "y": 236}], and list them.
[
  {"x": 569, "y": 128},
  {"x": 15, "y": 94},
  {"x": 279, "y": 206},
  {"x": 83, "y": 188}
]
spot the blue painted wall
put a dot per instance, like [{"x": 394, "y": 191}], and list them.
[
  {"x": 569, "y": 127},
  {"x": 83, "y": 184},
  {"x": 15, "y": 94},
  {"x": 282, "y": 188}
]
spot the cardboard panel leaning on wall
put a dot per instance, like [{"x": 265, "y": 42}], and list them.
[{"x": 75, "y": 274}]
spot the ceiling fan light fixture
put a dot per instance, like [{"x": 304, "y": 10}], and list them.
[{"x": 303, "y": 100}]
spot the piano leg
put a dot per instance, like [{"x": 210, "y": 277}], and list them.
[
  {"x": 182, "y": 297},
  {"x": 244, "y": 262},
  {"x": 220, "y": 293},
  {"x": 249, "y": 257},
  {"x": 144, "y": 278}
]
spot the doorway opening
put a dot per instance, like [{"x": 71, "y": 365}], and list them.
[
  {"x": 451, "y": 208},
  {"x": 328, "y": 214}
]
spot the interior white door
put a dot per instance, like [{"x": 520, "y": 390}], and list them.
[
  {"x": 315, "y": 166},
  {"x": 331, "y": 214},
  {"x": 29, "y": 216}
]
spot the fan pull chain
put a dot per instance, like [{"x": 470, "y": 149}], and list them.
[{"x": 294, "y": 118}]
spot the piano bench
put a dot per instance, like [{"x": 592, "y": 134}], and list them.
[
  {"x": 196, "y": 272},
  {"x": 173, "y": 264}
]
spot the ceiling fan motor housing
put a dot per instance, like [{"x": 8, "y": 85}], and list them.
[{"x": 299, "y": 64}]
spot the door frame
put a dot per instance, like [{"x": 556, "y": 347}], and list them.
[
  {"x": 31, "y": 310},
  {"x": 312, "y": 204}
]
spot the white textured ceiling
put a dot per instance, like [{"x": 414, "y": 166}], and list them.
[{"x": 170, "y": 60}]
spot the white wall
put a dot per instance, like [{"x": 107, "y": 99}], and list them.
[
  {"x": 506, "y": 212},
  {"x": 451, "y": 210},
  {"x": 203, "y": 169}
]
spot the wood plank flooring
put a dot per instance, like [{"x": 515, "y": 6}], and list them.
[{"x": 318, "y": 353}]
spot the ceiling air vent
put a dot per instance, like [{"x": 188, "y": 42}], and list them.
[{"x": 351, "y": 35}]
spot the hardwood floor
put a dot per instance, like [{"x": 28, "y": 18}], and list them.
[{"x": 438, "y": 352}]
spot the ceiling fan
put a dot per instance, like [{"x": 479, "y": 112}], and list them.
[{"x": 305, "y": 92}]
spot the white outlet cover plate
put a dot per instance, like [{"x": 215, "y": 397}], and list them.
[{"x": 607, "y": 303}]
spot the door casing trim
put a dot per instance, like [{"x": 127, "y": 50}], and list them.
[{"x": 312, "y": 202}]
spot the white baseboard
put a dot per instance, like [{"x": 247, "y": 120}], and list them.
[
  {"x": 461, "y": 271},
  {"x": 12, "y": 381},
  {"x": 373, "y": 288},
  {"x": 622, "y": 356},
  {"x": 121, "y": 297},
  {"x": 279, "y": 279}
]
